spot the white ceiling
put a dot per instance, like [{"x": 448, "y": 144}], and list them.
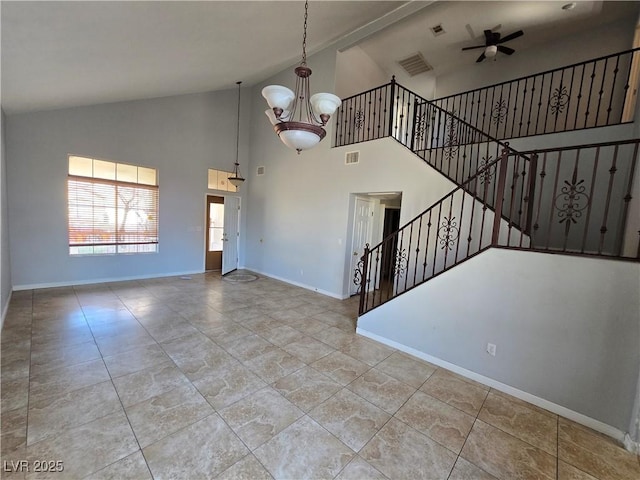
[{"x": 62, "y": 54}]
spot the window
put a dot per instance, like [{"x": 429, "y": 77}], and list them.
[
  {"x": 113, "y": 207},
  {"x": 219, "y": 180}
]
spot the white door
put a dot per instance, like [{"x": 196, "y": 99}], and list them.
[
  {"x": 362, "y": 228},
  {"x": 230, "y": 234}
]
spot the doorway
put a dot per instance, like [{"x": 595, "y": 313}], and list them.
[{"x": 222, "y": 232}]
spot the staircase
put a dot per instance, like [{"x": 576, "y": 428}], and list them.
[{"x": 571, "y": 200}]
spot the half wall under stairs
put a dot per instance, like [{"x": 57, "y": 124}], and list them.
[{"x": 566, "y": 329}]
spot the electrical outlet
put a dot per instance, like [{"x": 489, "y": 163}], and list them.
[{"x": 491, "y": 349}]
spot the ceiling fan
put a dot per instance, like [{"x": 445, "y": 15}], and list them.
[{"x": 493, "y": 44}]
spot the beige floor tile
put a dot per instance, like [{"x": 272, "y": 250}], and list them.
[
  {"x": 202, "y": 450},
  {"x": 249, "y": 468},
  {"x": 166, "y": 413},
  {"x": 14, "y": 394},
  {"x": 135, "y": 360},
  {"x": 232, "y": 384},
  {"x": 464, "y": 470},
  {"x": 456, "y": 392},
  {"x": 533, "y": 427},
  {"x": 595, "y": 454},
  {"x": 569, "y": 472},
  {"x": 161, "y": 332},
  {"x": 281, "y": 335},
  {"x": 441, "y": 422},
  {"x": 382, "y": 390},
  {"x": 307, "y": 349},
  {"x": 525, "y": 404},
  {"x": 250, "y": 346},
  {"x": 306, "y": 388},
  {"x": 144, "y": 384},
  {"x": 358, "y": 469},
  {"x": 226, "y": 334},
  {"x": 367, "y": 351},
  {"x": 350, "y": 418},
  {"x": 274, "y": 365},
  {"x": 399, "y": 451},
  {"x": 409, "y": 370},
  {"x": 202, "y": 361},
  {"x": 13, "y": 430},
  {"x": 304, "y": 450},
  {"x": 52, "y": 358},
  {"x": 51, "y": 416},
  {"x": 504, "y": 456},
  {"x": 333, "y": 336},
  {"x": 340, "y": 367},
  {"x": 259, "y": 416},
  {"x": 67, "y": 379},
  {"x": 88, "y": 448},
  {"x": 133, "y": 467}
]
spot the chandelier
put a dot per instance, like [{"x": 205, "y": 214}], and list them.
[
  {"x": 236, "y": 180},
  {"x": 297, "y": 117}
]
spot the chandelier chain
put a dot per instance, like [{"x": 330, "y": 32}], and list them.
[
  {"x": 304, "y": 36},
  {"x": 238, "y": 128}
]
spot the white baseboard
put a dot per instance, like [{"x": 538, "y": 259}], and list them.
[
  {"x": 298, "y": 284},
  {"x": 633, "y": 447},
  {"x": 522, "y": 395},
  {"x": 5, "y": 309},
  {"x": 103, "y": 280}
]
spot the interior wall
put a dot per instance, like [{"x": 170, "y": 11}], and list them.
[
  {"x": 5, "y": 263},
  {"x": 567, "y": 331},
  {"x": 540, "y": 58},
  {"x": 181, "y": 136},
  {"x": 356, "y": 72}
]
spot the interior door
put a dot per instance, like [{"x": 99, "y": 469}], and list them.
[
  {"x": 230, "y": 235},
  {"x": 215, "y": 230},
  {"x": 362, "y": 228}
]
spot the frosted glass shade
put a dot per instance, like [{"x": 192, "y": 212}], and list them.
[
  {"x": 278, "y": 96},
  {"x": 299, "y": 139},
  {"x": 491, "y": 51},
  {"x": 325, "y": 103},
  {"x": 236, "y": 181}
]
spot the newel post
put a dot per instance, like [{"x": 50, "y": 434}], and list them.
[
  {"x": 502, "y": 177},
  {"x": 363, "y": 281},
  {"x": 392, "y": 103}
]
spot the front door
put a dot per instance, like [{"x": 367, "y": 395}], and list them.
[
  {"x": 215, "y": 231},
  {"x": 362, "y": 228},
  {"x": 230, "y": 234}
]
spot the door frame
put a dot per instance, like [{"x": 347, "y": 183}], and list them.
[{"x": 224, "y": 195}]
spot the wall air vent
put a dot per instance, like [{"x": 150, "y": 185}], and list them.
[
  {"x": 351, "y": 158},
  {"x": 415, "y": 64},
  {"x": 437, "y": 30},
  {"x": 260, "y": 171}
]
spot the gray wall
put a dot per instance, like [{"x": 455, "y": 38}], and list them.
[
  {"x": 5, "y": 264},
  {"x": 566, "y": 328},
  {"x": 181, "y": 136}
]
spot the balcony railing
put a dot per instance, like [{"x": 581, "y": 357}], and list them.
[
  {"x": 594, "y": 93},
  {"x": 571, "y": 200}
]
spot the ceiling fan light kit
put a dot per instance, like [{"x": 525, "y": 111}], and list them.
[{"x": 493, "y": 44}]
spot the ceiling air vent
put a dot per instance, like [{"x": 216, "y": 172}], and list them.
[
  {"x": 260, "y": 171},
  {"x": 437, "y": 30},
  {"x": 351, "y": 158},
  {"x": 415, "y": 64}
]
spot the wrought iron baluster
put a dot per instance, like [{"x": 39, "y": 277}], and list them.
[
  {"x": 539, "y": 105},
  {"x": 555, "y": 190},
  {"x": 593, "y": 184},
  {"x": 579, "y": 97},
  {"x": 426, "y": 248},
  {"x": 573, "y": 194},
  {"x": 415, "y": 264},
  {"x": 566, "y": 117},
  {"x": 604, "y": 76},
  {"x": 605, "y": 216},
  {"x": 613, "y": 87},
  {"x": 586, "y": 114}
]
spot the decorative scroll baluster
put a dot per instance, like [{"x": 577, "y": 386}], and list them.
[{"x": 605, "y": 216}]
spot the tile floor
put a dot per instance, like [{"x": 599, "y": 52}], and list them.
[{"x": 204, "y": 378}]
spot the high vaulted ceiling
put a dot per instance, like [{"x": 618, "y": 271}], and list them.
[{"x": 62, "y": 54}]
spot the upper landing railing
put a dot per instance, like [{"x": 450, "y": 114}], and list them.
[{"x": 595, "y": 93}]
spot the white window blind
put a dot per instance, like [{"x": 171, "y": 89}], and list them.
[{"x": 108, "y": 215}]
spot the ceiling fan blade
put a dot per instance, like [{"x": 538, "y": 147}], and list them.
[
  {"x": 488, "y": 36},
  {"x": 473, "y": 48},
  {"x": 480, "y": 58},
  {"x": 511, "y": 36},
  {"x": 507, "y": 50}
]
